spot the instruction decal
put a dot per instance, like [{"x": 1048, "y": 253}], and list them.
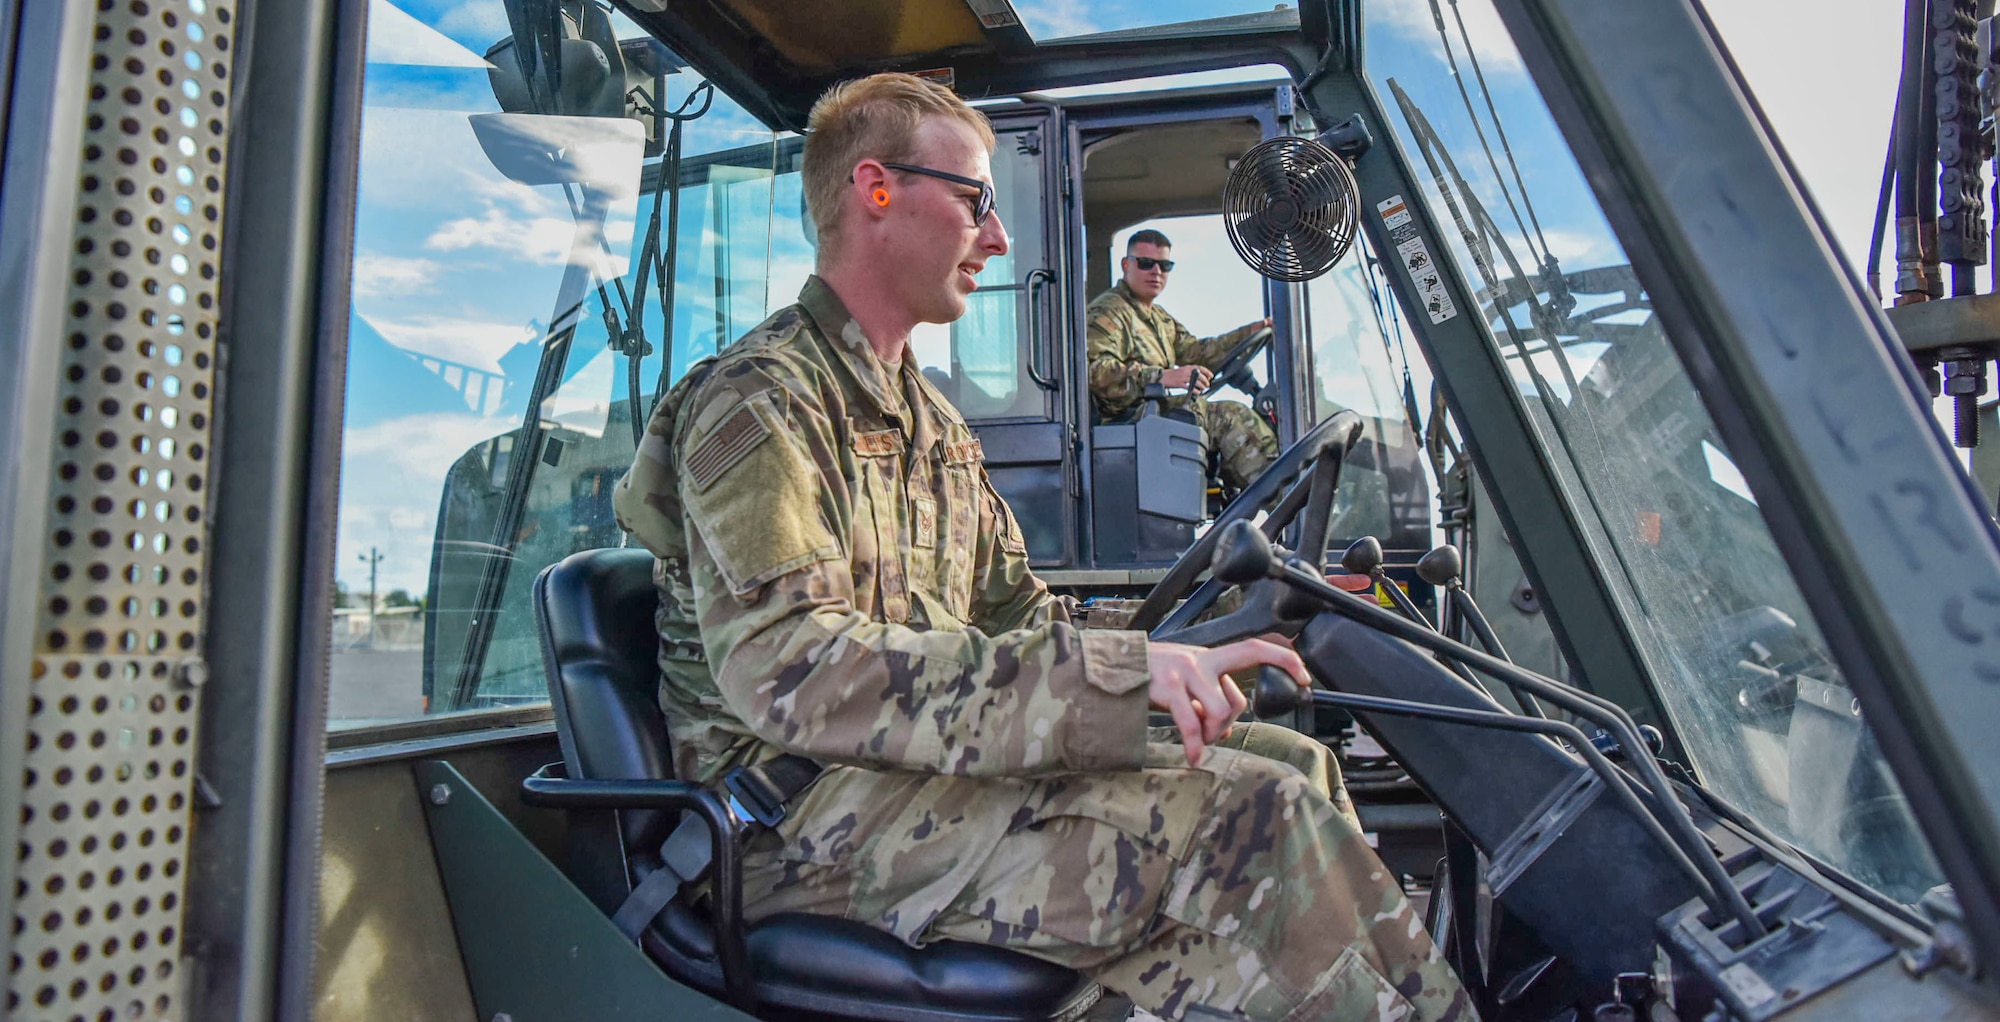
[
  {"x": 1416, "y": 259},
  {"x": 994, "y": 13}
]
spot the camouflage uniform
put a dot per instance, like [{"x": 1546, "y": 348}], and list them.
[
  {"x": 840, "y": 580},
  {"x": 1131, "y": 345}
]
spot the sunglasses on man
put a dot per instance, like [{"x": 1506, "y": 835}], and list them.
[
  {"x": 1148, "y": 262},
  {"x": 982, "y": 205}
]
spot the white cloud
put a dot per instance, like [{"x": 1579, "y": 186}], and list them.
[
  {"x": 382, "y": 275},
  {"x": 534, "y": 225},
  {"x": 416, "y": 160},
  {"x": 1054, "y": 19},
  {"x": 477, "y": 19},
  {"x": 1491, "y": 42},
  {"x": 394, "y": 472},
  {"x": 541, "y": 240},
  {"x": 420, "y": 447},
  {"x": 1578, "y": 250},
  {"x": 473, "y": 343},
  {"x": 544, "y": 240},
  {"x": 394, "y": 37}
]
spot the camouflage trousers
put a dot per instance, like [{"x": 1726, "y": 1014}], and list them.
[
  {"x": 1268, "y": 904},
  {"x": 1241, "y": 438}
]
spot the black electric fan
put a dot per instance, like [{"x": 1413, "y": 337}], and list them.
[{"x": 1292, "y": 205}]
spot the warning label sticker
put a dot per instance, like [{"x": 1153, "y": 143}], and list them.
[
  {"x": 1416, "y": 259},
  {"x": 994, "y": 13}
]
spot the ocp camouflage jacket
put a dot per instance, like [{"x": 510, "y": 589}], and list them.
[
  {"x": 840, "y": 580},
  {"x": 1131, "y": 344}
]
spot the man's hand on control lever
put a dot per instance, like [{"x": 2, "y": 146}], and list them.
[
  {"x": 1188, "y": 683},
  {"x": 1194, "y": 378}
]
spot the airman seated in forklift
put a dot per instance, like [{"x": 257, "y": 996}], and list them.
[
  {"x": 841, "y": 582},
  {"x": 1134, "y": 343}
]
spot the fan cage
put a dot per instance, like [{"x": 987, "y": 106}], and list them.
[{"x": 1292, "y": 208}]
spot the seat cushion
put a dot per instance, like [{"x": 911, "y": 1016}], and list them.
[{"x": 846, "y": 969}]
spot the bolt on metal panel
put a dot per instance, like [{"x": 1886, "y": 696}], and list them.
[{"x": 118, "y": 662}]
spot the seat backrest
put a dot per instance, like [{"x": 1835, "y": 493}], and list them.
[{"x": 595, "y": 611}]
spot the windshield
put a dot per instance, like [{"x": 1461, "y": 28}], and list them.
[
  {"x": 1737, "y": 658},
  {"x": 505, "y": 273}
]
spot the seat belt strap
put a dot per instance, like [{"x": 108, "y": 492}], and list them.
[
  {"x": 756, "y": 794},
  {"x": 761, "y": 792},
  {"x": 647, "y": 901}
]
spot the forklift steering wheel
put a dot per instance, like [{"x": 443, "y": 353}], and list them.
[
  {"x": 1323, "y": 449},
  {"x": 1234, "y": 369}
]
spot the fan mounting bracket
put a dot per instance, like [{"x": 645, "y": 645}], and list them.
[{"x": 1350, "y": 138}]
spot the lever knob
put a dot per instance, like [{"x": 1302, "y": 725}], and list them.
[
  {"x": 1242, "y": 553},
  {"x": 1363, "y": 557},
  {"x": 1277, "y": 694},
  {"x": 1441, "y": 567}
]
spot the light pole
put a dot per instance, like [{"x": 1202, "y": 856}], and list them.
[{"x": 372, "y": 558}]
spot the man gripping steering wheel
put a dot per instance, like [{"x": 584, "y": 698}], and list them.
[{"x": 1134, "y": 342}]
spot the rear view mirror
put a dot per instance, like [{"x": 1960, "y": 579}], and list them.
[{"x": 578, "y": 67}]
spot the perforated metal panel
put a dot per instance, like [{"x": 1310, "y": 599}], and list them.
[{"x": 106, "y": 807}]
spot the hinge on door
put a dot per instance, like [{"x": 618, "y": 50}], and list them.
[
  {"x": 1075, "y": 462},
  {"x": 1028, "y": 143}
]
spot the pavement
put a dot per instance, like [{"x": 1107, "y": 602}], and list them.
[{"x": 376, "y": 684}]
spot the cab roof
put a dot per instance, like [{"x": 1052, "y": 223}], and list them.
[{"x": 775, "y": 57}]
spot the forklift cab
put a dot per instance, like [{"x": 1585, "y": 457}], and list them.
[
  {"x": 381, "y": 292},
  {"x": 1106, "y": 507}
]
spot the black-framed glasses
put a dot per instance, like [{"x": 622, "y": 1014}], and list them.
[
  {"x": 981, "y": 206},
  {"x": 1148, "y": 262}
]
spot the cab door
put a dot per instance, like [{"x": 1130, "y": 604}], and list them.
[{"x": 996, "y": 363}]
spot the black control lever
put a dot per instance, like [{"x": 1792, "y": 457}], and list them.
[
  {"x": 1277, "y": 695},
  {"x": 1241, "y": 545},
  {"x": 1444, "y": 567},
  {"x": 1364, "y": 557}
]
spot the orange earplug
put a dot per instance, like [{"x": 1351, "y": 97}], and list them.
[{"x": 881, "y": 196}]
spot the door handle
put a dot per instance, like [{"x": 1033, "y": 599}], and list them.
[{"x": 1037, "y": 372}]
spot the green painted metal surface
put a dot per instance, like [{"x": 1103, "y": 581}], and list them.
[{"x": 536, "y": 949}]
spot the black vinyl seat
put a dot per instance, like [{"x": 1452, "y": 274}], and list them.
[{"x": 595, "y": 611}]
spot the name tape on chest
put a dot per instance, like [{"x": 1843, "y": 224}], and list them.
[
  {"x": 963, "y": 451},
  {"x": 878, "y": 443}
]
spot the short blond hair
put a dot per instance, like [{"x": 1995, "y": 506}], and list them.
[{"x": 874, "y": 117}]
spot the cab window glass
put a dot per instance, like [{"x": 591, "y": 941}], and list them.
[
  {"x": 1360, "y": 362},
  {"x": 1731, "y": 647},
  {"x": 980, "y": 363},
  {"x": 498, "y": 306}
]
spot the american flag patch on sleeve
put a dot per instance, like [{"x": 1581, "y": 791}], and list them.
[{"x": 719, "y": 451}]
